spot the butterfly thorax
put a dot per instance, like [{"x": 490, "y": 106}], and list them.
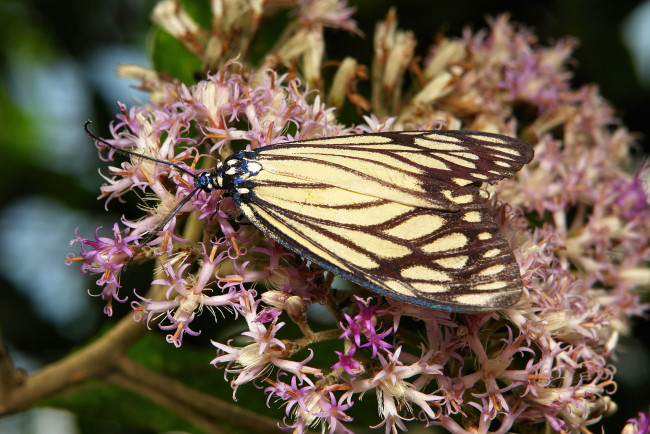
[{"x": 233, "y": 174}]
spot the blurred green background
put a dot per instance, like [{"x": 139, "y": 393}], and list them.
[{"x": 57, "y": 66}]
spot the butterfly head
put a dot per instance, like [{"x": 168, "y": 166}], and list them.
[{"x": 206, "y": 181}]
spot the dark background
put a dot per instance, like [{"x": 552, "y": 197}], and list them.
[{"x": 57, "y": 64}]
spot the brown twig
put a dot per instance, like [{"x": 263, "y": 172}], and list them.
[
  {"x": 201, "y": 409},
  {"x": 92, "y": 361}
]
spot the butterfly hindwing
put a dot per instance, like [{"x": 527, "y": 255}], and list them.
[{"x": 433, "y": 259}]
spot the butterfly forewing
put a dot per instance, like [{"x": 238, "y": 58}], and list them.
[
  {"x": 399, "y": 213},
  {"x": 417, "y": 169}
]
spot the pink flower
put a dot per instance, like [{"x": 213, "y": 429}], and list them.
[
  {"x": 640, "y": 426},
  {"x": 363, "y": 324}
]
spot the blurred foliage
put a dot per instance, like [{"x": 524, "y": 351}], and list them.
[{"x": 170, "y": 57}]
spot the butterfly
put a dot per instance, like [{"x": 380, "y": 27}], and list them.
[{"x": 399, "y": 213}]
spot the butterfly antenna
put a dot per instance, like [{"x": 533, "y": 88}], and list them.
[
  {"x": 131, "y": 153},
  {"x": 171, "y": 215}
]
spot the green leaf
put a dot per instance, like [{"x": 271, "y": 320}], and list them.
[
  {"x": 200, "y": 12},
  {"x": 169, "y": 56}
]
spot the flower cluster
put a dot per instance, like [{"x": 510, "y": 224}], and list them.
[{"x": 577, "y": 223}]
